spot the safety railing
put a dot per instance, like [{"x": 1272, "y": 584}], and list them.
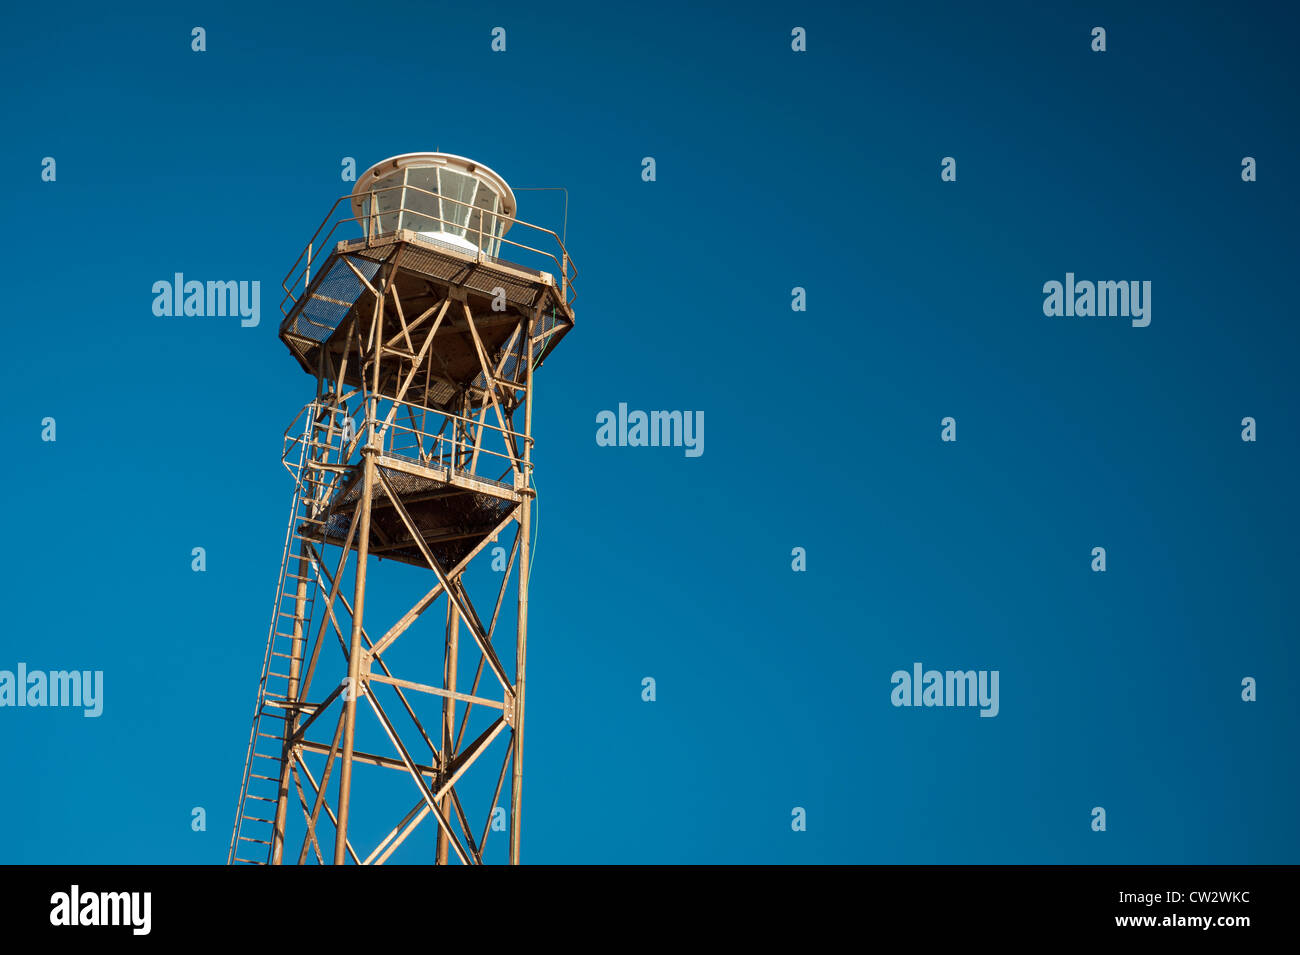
[
  {"x": 426, "y": 436},
  {"x": 449, "y": 441},
  {"x": 374, "y": 223},
  {"x": 319, "y": 433}
]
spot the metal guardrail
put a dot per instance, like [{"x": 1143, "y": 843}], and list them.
[
  {"x": 300, "y": 442},
  {"x": 447, "y": 447},
  {"x": 298, "y": 277},
  {"x": 427, "y": 436}
]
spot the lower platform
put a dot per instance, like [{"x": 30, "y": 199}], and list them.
[{"x": 453, "y": 517}]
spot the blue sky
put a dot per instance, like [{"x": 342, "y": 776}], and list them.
[{"x": 775, "y": 169}]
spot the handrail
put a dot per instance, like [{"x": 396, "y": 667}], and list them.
[
  {"x": 444, "y": 442},
  {"x": 565, "y": 266},
  {"x": 450, "y": 416}
]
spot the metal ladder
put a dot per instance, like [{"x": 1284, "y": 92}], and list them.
[{"x": 320, "y": 451}]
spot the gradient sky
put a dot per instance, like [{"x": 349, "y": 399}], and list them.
[{"x": 775, "y": 169}]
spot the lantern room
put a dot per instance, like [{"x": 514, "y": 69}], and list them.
[{"x": 446, "y": 199}]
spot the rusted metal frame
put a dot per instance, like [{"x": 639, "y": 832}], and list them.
[
  {"x": 420, "y": 319},
  {"x": 418, "y": 430},
  {"x": 496, "y": 610},
  {"x": 384, "y": 540},
  {"x": 371, "y": 759},
  {"x": 469, "y": 758},
  {"x": 482, "y": 413},
  {"x": 411, "y": 354},
  {"x": 479, "y": 433},
  {"x": 328, "y": 811},
  {"x": 348, "y": 341},
  {"x": 496, "y": 795},
  {"x": 338, "y": 636},
  {"x": 436, "y": 691},
  {"x": 466, "y": 610},
  {"x": 461, "y": 434},
  {"x": 415, "y": 367},
  {"x": 347, "y": 260},
  {"x": 429, "y": 798},
  {"x": 320, "y": 632},
  {"x": 384, "y": 665},
  {"x": 359, "y": 595},
  {"x": 489, "y": 381},
  {"x": 463, "y": 761},
  {"x": 324, "y": 365},
  {"x": 449, "y": 664},
  {"x": 374, "y": 702},
  {"x": 291, "y": 690},
  {"x": 420, "y": 811},
  {"x": 441, "y": 538},
  {"x": 302, "y": 798},
  {"x": 464, "y": 824},
  {"x": 423, "y": 604},
  {"x": 300, "y": 733},
  {"x": 320, "y": 494},
  {"x": 393, "y": 833},
  {"x": 320, "y": 793},
  {"x": 369, "y": 645},
  {"x": 504, "y": 488},
  {"x": 354, "y": 673},
  {"x": 434, "y": 436},
  {"x": 401, "y": 315},
  {"x": 521, "y": 629},
  {"x": 506, "y": 351},
  {"x": 519, "y": 363},
  {"x": 489, "y": 321}
]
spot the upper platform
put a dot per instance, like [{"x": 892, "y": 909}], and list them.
[{"x": 430, "y": 228}]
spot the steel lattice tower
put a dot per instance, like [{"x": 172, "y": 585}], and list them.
[{"x": 424, "y": 337}]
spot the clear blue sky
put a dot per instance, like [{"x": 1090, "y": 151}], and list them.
[{"x": 775, "y": 169}]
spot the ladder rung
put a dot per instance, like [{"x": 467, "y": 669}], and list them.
[
  {"x": 251, "y": 839},
  {"x": 249, "y": 861},
  {"x": 261, "y": 798},
  {"x": 258, "y": 819},
  {"x": 269, "y": 779}
]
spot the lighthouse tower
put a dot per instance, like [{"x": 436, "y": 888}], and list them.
[{"x": 389, "y": 721}]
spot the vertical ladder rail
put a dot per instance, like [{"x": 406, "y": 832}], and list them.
[{"x": 310, "y": 499}]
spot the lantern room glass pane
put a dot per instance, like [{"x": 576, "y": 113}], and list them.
[
  {"x": 421, "y": 208},
  {"x": 482, "y": 222},
  {"x": 387, "y": 201},
  {"x": 456, "y": 186}
]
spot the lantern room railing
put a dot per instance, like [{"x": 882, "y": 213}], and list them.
[{"x": 552, "y": 257}]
